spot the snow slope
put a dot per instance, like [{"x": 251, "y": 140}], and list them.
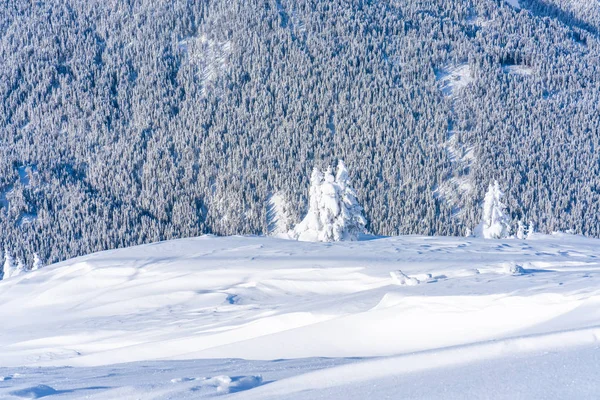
[{"x": 424, "y": 316}]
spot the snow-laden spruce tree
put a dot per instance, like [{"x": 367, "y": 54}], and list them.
[
  {"x": 494, "y": 222},
  {"x": 37, "y": 262},
  {"x": 521, "y": 234},
  {"x": 9, "y": 265},
  {"x": 333, "y": 213},
  {"x": 308, "y": 230},
  {"x": 351, "y": 221}
]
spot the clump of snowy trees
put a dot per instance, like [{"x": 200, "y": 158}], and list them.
[
  {"x": 12, "y": 268},
  {"x": 333, "y": 213},
  {"x": 495, "y": 221}
]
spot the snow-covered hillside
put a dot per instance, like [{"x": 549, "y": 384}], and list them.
[{"x": 255, "y": 317}]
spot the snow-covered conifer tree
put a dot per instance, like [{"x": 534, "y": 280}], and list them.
[
  {"x": 334, "y": 213},
  {"x": 329, "y": 208},
  {"x": 9, "y": 265},
  {"x": 494, "y": 223},
  {"x": 308, "y": 229},
  {"x": 530, "y": 229},
  {"x": 37, "y": 262},
  {"x": 521, "y": 230},
  {"x": 350, "y": 222}
]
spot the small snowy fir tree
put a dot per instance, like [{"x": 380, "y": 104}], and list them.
[
  {"x": 350, "y": 222},
  {"x": 494, "y": 224},
  {"x": 308, "y": 229},
  {"x": 530, "y": 230},
  {"x": 9, "y": 265},
  {"x": 521, "y": 234},
  {"x": 334, "y": 213},
  {"x": 329, "y": 209},
  {"x": 37, "y": 262}
]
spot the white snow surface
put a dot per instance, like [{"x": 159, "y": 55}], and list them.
[
  {"x": 518, "y": 69},
  {"x": 452, "y": 79},
  {"x": 264, "y": 318},
  {"x": 514, "y": 3}
]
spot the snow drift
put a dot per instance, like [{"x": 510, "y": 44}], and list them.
[{"x": 433, "y": 303}]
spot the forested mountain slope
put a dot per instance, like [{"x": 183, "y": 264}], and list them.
[{"x": 125, "y": 122}]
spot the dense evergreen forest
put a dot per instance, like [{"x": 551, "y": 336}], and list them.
[{"x": 125, "y": 122}]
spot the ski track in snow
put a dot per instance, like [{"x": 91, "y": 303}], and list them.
[{"x": 255, "y": 317}]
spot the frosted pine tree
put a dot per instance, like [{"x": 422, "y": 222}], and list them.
[
  {"x": 530, "y": 230},
  {"x": 37, "y": 262},
  {"x": 308, "y": 230},
  {"x": 334, "y": 213},
  {"x": 521, "y": 231},
  {"x": 350, "y": 222},
  {"x": 494, "y": 223},
  {"x": 9, "y": 265},
  {"x": 330, "y": 209}
]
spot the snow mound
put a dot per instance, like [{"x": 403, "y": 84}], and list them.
[
  {"x": 512, "y": 268},
  {"x": 400, "y": 278},
  {"x": 227, "y": 384},
  {"x": 35, "y": 392}
]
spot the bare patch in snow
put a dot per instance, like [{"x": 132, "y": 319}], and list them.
[{"x": 452, "y": 79}]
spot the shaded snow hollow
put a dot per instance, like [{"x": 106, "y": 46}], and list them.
[{"x": 452, "y": 318}]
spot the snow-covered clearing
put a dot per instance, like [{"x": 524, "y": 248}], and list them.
[
  {"x": 209, "y": 55},
  {"x": 517, "y": 69},
  {"x": 254, "y": 317},
  {"x": 514, "y": 3},
  {"x": 452, "y": 79}
]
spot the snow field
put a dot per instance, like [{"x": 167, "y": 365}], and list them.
[{"x": 428, "y": 306}]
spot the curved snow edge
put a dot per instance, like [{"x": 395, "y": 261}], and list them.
[{"x": 431, "y": 359}]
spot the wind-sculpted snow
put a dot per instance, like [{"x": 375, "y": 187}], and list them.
[{"x": 434, "y": 308}]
